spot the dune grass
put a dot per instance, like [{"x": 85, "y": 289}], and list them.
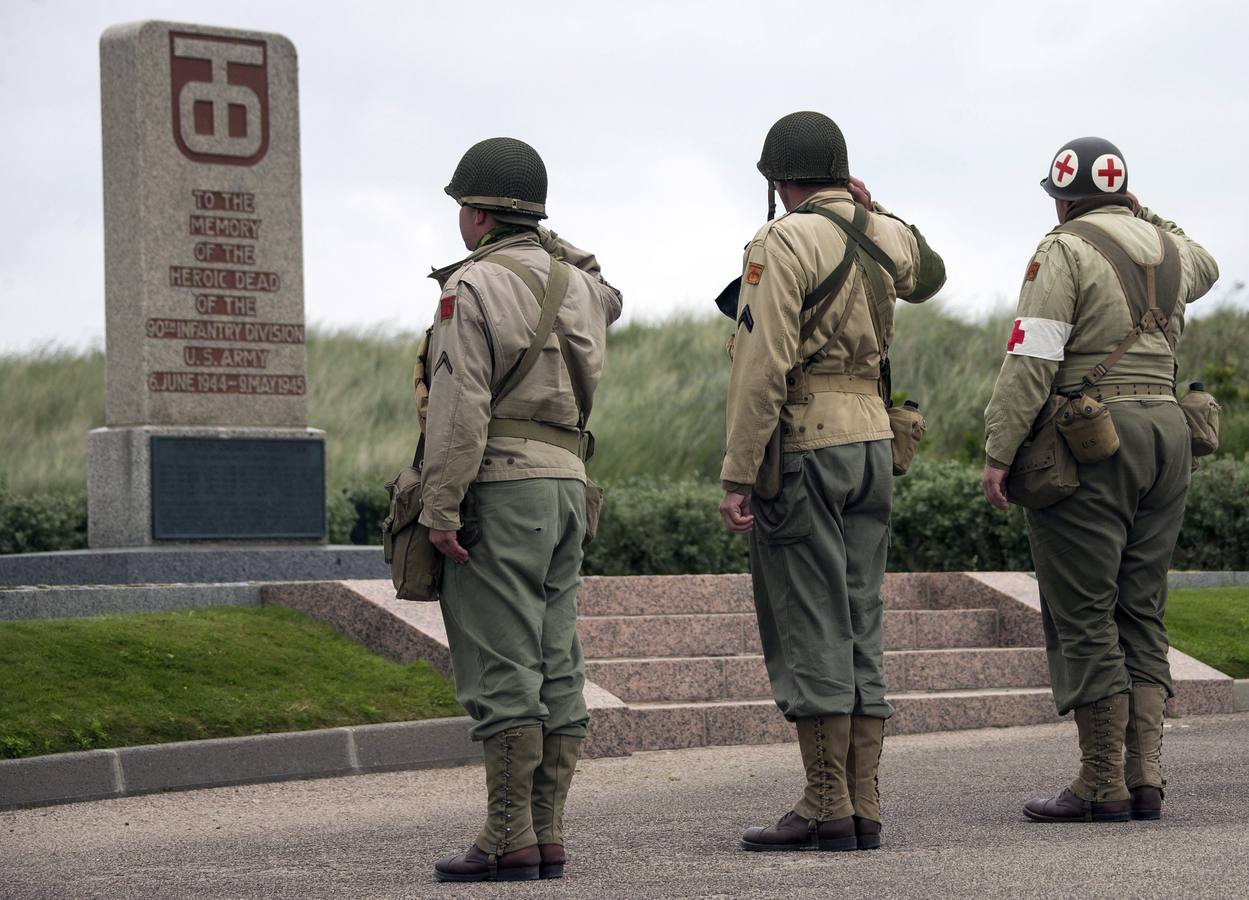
[
  {"x": 659, "y": 411},
  {"x": 113, "y": 681}
]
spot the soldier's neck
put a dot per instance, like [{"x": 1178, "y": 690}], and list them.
[{"x": 499, "y": 232}]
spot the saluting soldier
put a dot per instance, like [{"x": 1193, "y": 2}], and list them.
[
  {"x": 1100, "y": 311},
  {"x": 814, "y": 322},
  {"x": 515, "y": 354}
]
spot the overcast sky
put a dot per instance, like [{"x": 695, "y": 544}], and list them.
[{"x": 650, "y": 117}]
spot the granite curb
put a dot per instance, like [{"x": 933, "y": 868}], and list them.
[
  {"x": 71, "y": 601},
  {"x": 1240, "y": 701},
  {"x": 188, "y": 765},
  {"x": 58, "y": 592},
  {"x": 195, "y": 564}
]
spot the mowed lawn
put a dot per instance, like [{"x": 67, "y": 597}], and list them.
[
  {"x": 112, "y": 681},
  {"x": 1212, "y": 624}
]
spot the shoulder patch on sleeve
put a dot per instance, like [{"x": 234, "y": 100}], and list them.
[
  {"x": 746, "y": 319},
  {"x": 1039, "y": 338},
  {"x": 754, "y": 273},
  {"x": 1033, "y": 268},
  {"x": 446, "y": 307}
]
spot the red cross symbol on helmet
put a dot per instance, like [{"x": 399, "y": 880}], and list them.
[
  {"x": 1109, "y": 173},
  {"x": 1064, "y": 170}
]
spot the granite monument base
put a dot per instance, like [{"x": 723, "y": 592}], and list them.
[{"x": 164, "y": 485}]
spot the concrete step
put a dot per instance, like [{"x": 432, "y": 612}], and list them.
[
  {"x": 729, "y": 634},
  {"x": 744, "y": 677},
  {"x": 663, "y": 726},
  {"x": 649, "y": 595}
]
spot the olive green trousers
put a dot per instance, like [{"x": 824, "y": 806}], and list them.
[
  {"x": 511, "y": 610},
  {"x": 1102, "y": 555},
  {"x": 817, "y": 560}
]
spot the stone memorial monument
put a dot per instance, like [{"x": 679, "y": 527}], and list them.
[{"x": 205, "y": 433}]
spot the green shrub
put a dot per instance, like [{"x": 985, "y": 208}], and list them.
[
  {"x": 668, "y": 526},
  {"x": 31, "y": 523},
  {"x": 371, "y": 503},
  {"x": 942, "y": 523},
  {"x": 663, "y": 527},
  {"x": 1216, "y": 523},
  {"x": 340, "y": 517}
]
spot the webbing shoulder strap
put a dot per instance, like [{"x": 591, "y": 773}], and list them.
[
  {"x": 549, "y": 299},
  {"x": 871, "y": 259},
  {"x": 830, "y": 287},
  {"x": 1146, "y": 287},
  {"x": 857, "y": 231},
  {"x": 1152, "y": 292}
]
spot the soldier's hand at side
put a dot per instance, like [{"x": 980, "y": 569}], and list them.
[
  {"x": 993, "y": 483},
  {"x": 735, "y": 513},
  {"x": 860, "y": 193},
  {"x": 446, "y": 543}
]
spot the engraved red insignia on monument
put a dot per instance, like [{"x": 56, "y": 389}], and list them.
[
  {"x": 447, "y": 309},
  {"x": 1108, "y": 173},
  {"x": 1033, "y": 268},
  {"x": 1064, "y": 170},
  {"x": 754, "y": 272},
  {"x": 219, "y": 98}
]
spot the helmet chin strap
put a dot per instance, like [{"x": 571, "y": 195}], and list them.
[{"x": 771, "y": 199}]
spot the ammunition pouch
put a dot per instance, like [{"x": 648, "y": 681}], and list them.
[
  {"x": 1085, "y": 424},
  {"x": 908, "y": 426},
  {"x": 1044, "y": 471},
  {"x": 1201, "y": 411},
  {"x": 415, "y": 564}
]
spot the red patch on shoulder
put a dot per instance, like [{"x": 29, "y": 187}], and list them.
[
  {"x": 1033, "y": 268},
  {"x": 448, "y": 307},
  {"x": 754, "y": 272}
]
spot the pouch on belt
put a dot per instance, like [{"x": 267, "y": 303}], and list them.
[
  {"x": 415, "y": 564},
  {"x": 908, "y": 426},
  {"x": 1044, "y": 470},
  {"x": 1201, "y": 411},
  {"x": 1088, "y": 429}
]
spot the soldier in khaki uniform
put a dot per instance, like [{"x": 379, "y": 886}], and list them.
[
  {"x": 504, "y": 496},
  {"x": 807, "y": 358},
  {"x": 1102, "y": 553}
]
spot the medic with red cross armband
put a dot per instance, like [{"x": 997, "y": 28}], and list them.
[{"x": 1101, "y": 310}]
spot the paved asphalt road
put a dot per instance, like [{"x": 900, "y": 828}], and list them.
[{"x": 666, "y": 824}]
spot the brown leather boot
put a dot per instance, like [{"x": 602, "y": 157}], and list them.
[
  {"x": 866, "y": 833},
  {"x": 476, "y": 865},
  {"x": 507, "y": 848},
  {"x": 1147, "y": 802},
  {"x": 1098, "y": 793},
  {"x": 793, "y": 832},
  {"x": 867, "y": 735},
  {"x": 553, "y": 860},
  {"x": 822, "y": 819},
  {"x": 1067, "y": 807},
  {"x": 1142, "y": 768}
]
